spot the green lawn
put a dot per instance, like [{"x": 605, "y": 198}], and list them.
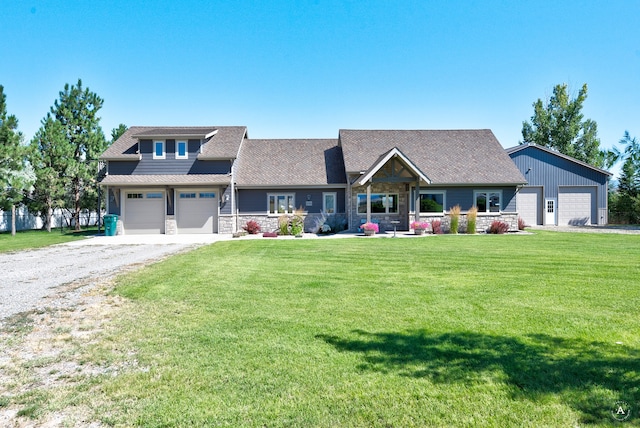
[
  {"x": 524, "y": 330},
  {"x": 30, "y": 239}
]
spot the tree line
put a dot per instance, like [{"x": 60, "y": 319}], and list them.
[{"x": 58, "y": 168}]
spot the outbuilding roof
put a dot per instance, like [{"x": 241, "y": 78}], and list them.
[
  {"x": 516, "y": 149},
  {"x": 290, "y": 162},
  {"x": 447, "y": 157}
]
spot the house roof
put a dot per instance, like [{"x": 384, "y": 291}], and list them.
[
  {"x": 452, "y": 157},
  {"x": 299, "y": 162},
  {"x": 161, "y": 180},
  {"x": 512, "y": 150},
  {"x": 222, "y": 142}
]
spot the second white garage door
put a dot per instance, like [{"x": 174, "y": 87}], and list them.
[
  {"x": 529, "y": 205},
  {"x": 197, "y": 211},
  {"x": 576, "y": 205}
]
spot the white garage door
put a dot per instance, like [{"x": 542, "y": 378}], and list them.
[
  {"x": 529, "y": 205},
  {"x": 143, "y": 212},
  {"x": 576, "y": 205},
  {"x": 197, "y": 211}
]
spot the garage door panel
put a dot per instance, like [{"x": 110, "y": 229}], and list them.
[
  {"x": 143, "y": 212},
  {"x": 196, "y": 212},
  {"x": 576, "y": 205},
  {"x": 529, "y": 205}
]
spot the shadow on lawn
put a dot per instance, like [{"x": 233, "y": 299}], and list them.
[{"x": 588, "y": 376}]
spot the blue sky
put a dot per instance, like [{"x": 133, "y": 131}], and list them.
[{"x": 305, "y": 69}]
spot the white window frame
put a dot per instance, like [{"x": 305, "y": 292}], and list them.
[
  {"x": 386, "y": 208},
  {"x": 488, "y": 207},
  {"x": 164, "y": 149},
  {"x": 335, "y": 202},
  {"x": 291, "y": 197},
  {"x": 186, "y": 149},
  {"x": 429, "y": 192}
]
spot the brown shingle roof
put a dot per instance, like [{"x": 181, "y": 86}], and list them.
[
  {"x": 455, "y": 157},
  {"x": 224, "y": 144},
  {"x": 296, "y": 162}
]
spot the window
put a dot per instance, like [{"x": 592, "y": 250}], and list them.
[
  {"x": 158, "y": 150},
  {"x": 187, "y": 195},
  {"x": 281, "y": 203},
  {"x": 181, "y": 150},
  {"x": 329, "y": 202},
  {"x": 155, "y": 195},
  {"x": 488, "y": 202},
  {"x": 135, "y": 195},
  {"x": 207, "y": 195},
  {"x": 381, "y": 203},
  {"x": 430, "y": 202}
]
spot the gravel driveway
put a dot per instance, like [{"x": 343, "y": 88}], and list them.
[{"x": 30, "y": 277}]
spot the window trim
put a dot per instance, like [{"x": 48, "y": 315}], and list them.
[
  {"x": 384, "y": 195},
  {"x": 276, "y": 195},
  {"x": 164, "y": 149},
  {"x": 429, "y": 192},
  {"x": 335, "y": 202},
  {"x": 487, "y": 192},
  {"x": 186, "y": 149}
]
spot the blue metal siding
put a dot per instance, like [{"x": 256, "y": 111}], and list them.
[
  {"x": 255, "y": 200},
  {"x": 550, "y": 171}
]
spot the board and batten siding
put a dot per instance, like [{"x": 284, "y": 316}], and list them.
[
  {"x": 553, "y": 172},
  {"x": 170, "y": 165}
]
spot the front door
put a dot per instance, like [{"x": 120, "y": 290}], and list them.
[{"x": 550, "y": 212}]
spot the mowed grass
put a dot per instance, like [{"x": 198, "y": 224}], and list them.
[
  {"x": 30, "y": 239},
  {"x": 525, "y": 330}
]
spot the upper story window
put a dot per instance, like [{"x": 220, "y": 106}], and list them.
[
  {"x": 488, "y": 202},
  {"x": 181, "y": 150},
  {"x": 159, "y": 150}
]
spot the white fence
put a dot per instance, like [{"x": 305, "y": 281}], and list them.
[{"x": 60, "y": 218}]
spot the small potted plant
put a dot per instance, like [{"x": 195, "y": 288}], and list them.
[
  {"x": 419, "y": 227},
  {"x": 370, "y": 229}
]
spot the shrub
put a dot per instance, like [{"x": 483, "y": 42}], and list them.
[
  {"x": 252, "y": 227},
  {"x": 454, "y": 212},
  {"x": 283, "y": 225},
  {"x": 472, "y": 217},
  {"x": 297, "y": 225},
  {"x": 498, "y": 227},
  {"x": 436, "y": 226},
  {"x": 328, "y": 223},
  {"x": 521, "y": 224}
]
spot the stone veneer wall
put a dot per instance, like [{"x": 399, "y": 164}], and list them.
[
  {"x": 226, "y": 224},
  {"x": 483, "y": 221},
  {"x": 384, "y": 220},
  {"x": 270, "y": 223},
  {"x": 170, "y": 225}
]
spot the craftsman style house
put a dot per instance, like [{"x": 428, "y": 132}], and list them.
[{"x": 215, "y": 179}]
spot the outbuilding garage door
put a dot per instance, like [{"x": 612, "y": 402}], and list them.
[
  {"x": 197, "y": 211},
  {"x": 143, "y": 212},
  {"x": 529, "y": 205},
  {"x": 576, "y": 205}
]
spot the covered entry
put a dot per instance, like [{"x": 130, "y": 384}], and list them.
[{"x": 197, "y": 210}]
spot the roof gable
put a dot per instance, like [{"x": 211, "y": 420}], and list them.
[
  {"x": 451, "y": 157},
  {"x": 382, "y": 160}
]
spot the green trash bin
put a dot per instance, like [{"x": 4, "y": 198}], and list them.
[{"x": 110, "y": 223}]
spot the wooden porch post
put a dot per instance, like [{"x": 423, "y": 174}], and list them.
[
  {"x": 369, "y": 202},
  {"x": 417, "y": 200}
]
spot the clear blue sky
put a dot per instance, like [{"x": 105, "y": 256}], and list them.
[{"x": 295, "y": 69}]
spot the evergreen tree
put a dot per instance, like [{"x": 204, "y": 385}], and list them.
[
  {"x": 16, "y": 176},
  {"x": 77, "y": 112}
]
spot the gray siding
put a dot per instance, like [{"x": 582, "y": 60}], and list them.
[
  {"x": 169, "y": 166},
  {"x": 550, "y": 171},
  {"x": 463, "y": 196},
  {"x": 255, "y": 200}
]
